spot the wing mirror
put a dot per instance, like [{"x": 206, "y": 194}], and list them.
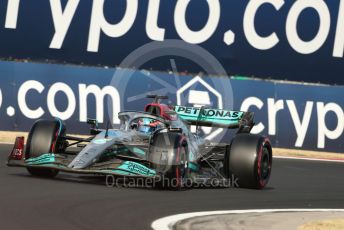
[
  {"x": 94, "y": 130},
  {"x": 93, "y": 123}
]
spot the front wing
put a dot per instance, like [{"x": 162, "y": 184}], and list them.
[{"x": 60, "y": 162}]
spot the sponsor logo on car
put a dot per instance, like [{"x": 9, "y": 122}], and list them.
[
  {"x": 137, "y": 168},
  {"x": 207, "y": 112}
]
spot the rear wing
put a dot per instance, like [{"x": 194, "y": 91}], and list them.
[{"x": 216, "y": 118}]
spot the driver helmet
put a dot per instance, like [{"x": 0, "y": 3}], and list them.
[{"x": 147, "y": 125}]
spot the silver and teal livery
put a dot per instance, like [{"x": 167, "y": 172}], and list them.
[{"x": 154, "y": 144}]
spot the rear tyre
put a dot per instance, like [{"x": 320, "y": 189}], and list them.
[
  {"x": 168, "y": 156},
  {"x": 249, "y": 159},
  {"x": 44, "y": 137}
]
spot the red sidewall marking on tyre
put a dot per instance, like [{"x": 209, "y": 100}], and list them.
[
  {"x": 178, "y": 176},
  {"x": 55, "y": 141},
  {"x": 262, "y": 182}
]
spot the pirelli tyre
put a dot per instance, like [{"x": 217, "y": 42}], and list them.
[
  {"x": 168, "y": 155},
  {"x": 248, "y": 160},
  {"x": 44, "y": 137}
]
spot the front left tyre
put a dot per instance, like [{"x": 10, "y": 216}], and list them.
[{"x": 44, "y": 137}]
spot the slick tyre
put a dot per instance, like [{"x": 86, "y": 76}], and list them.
[
  {"x": 248, "y": 160},
  {"x": 44, "y": 137},
  {"x": 168, "y": 156}
]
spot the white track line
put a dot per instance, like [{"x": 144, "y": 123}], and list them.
[
  {"x": 310, "y": 159},
  {"x": 166, "y": 223},
  {"x": 6, "y": 143}
]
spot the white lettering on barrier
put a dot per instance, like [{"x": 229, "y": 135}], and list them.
[
  {"x": 301, "y": 127},
  {"x": 99, "y": 94},
  {"x": 152, "y": 28},
  {"x": 196, "y": 37},
  {"x": 71, "y": 104},
  {"x": 62, "y": 20},
  {"x": 323, "y": 130},
  {"x": 99, "y": 23},
  {"x": 12, "y": 14},
  {"x": 0, "y": 98},
  {"x": 255, "y": 40},
  {"x": 274, "y": 107},
  {"x": 300, "y": 122},
  {"x": 308, "y": 47},
  {"x": 338, "y": 48},
  {"x": 22, "y": 92}
]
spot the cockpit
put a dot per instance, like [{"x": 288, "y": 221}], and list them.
[
  {"x": 142, "y": 122},
  {"x": 146, "y": 125}
]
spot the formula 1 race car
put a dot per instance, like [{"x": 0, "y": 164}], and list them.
[{"x": 156, "y": 144}]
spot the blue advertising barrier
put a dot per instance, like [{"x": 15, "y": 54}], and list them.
[
  {"x": 292, "y": 115},
  {"x": 281, "y": 39}
]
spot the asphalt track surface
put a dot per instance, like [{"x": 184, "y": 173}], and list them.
[{"x": 83, "y": 202}]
